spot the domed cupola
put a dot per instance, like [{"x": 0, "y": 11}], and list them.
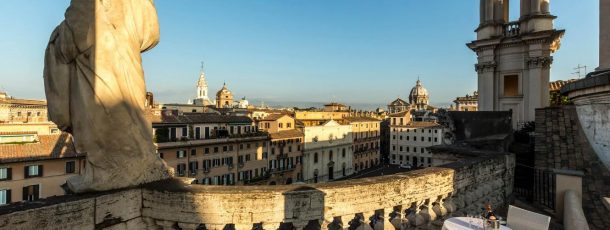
[
  {"x": 224, "y": 97},
  {"x": 419, "y": 96}
]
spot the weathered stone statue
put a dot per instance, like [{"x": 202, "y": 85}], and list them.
[{"x": 95, "y": 89}]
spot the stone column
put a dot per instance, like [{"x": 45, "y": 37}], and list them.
[
  {"x": 486, "y": 86},
  {"x": 604, "y": 35},
  {"x": 525, "y": 7},
  {"x": 535, "y": 7},
  {"x": 489, "y": 10},
  {"x": 387, "y": 225},
  {"x": 545, "y": 6}
]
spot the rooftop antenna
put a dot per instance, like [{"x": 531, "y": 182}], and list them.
[{"x": 578, "y": 68}]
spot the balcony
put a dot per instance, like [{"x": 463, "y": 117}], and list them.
[
  {"x": 431, "y": 195},
  {"x": 512, "y": 29}
]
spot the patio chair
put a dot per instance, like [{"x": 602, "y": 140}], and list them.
[{"x": 521, "y": 219}]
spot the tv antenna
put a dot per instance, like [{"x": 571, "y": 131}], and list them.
[{"x": 578, "y": 68}]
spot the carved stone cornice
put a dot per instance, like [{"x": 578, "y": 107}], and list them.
[
  {"x": 485, "y": 67},
  {"x": 539, "y": 62}
]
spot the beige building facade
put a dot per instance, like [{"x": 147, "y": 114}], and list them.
[
  {"x": 274, "y": 123},
  {"x": 366, "y": 136},
  {"x": 467, "y": 103},
  {"x": 213, "y": 149},
  {"x": 34, "y": 170},
  {"x": 327, "y": 152},
  {"x": 409, "y": 141},
  {"x": 317, "y": 118},
  {"x": 286, "y": 157}
]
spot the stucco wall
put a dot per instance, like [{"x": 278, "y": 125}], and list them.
[{"x": 429, "y": 195}]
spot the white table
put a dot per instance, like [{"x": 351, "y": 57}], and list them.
[{"x": 464, "y": 223}]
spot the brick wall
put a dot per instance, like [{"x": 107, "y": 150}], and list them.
[{"x": 560, "y": 143}]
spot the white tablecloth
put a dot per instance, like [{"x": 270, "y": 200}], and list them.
[{"x": 464, "y": 223}]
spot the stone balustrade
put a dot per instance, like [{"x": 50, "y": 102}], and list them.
[{"x": 421, "y": 198}]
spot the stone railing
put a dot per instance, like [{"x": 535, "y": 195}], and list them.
[{"x": 421, "y": 198}]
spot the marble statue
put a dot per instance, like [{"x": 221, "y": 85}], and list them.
[{"x": 95, "y": 89}]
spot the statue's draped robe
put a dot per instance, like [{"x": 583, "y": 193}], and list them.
[{"x": 95, "y": 89}]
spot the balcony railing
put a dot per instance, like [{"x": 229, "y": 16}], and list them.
[{"x": 512, "y": 29}]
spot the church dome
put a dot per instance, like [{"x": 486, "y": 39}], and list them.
[
  {"x": 419, "y": 95},
  {"x": 223, "y": 92},
  {"x": 418, "y": 90}
]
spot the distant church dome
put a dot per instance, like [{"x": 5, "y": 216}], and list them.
[
  {"x": 223, "y": 92},
  {"x": 419, "y": 96},
  {"x": 224, "y": 97}
]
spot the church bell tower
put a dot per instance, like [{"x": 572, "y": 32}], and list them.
[{"x": 514, "y": 57}]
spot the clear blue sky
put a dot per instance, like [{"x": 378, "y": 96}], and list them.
[{"x": 351, "y": 51}]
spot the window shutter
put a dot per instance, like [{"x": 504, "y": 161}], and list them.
[
  {"x": 25, "y": 172},
  {"x": 177, "y": 154},
  {"x": 8, "y": 196},
  {"x": 40, "y": 172},
  {"x": 24, "y": 196},
  {"x": 36, "y": 192},
  {"x": 9, "y": 174}
]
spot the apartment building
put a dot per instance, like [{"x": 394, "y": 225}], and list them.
[
  {"x": 213, "y": 149},
  {"x": 366, "y": 135},
  {"x": 327, "y": 152},
  {"x": 409, "y": 142},
  {"x": 274, "y": 123},
  {"x": 286, "y": 156},
  {"x": 37, "y": 166}
]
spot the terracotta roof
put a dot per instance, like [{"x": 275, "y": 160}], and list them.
[
  {"x": 47, "y": 147},
  {"x": 273, "y": 117},
  {"x": 293, "y": 133},
  {"x": 556, "y": 85},
  {"x": 361, "y": 119}
]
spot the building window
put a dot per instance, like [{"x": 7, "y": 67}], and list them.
[
  {"x": 193, "y": 152},
  {"x": 206, "y": 150},
  {"x": 225, "y": 148},
  {"x": 435, "y": 139},
  {"x": 281, "y": 125},
  {"x": 193, "y": 166},
  {"x": 511, "y": 85},
  {"x": 33, "y": 171},
  {"x": 288, "y": 125},
  {"x": 181, "y": 168},
  {"x": 330, "y": 155},
  {"x": 429, "y": 139},
  {"x": 315, "y": 158},
  {"x": 31, "y": 193},
  {"x": 180, "y": 154},
  {"x": 70, "y": 166},
  {"x": 6, "y": 174},
  {"x": 5, "y": 196},
  {"x": 216, "y": 149},
  {"x": 343, "y": 153},
  {"x": 184, "y": 132}
]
